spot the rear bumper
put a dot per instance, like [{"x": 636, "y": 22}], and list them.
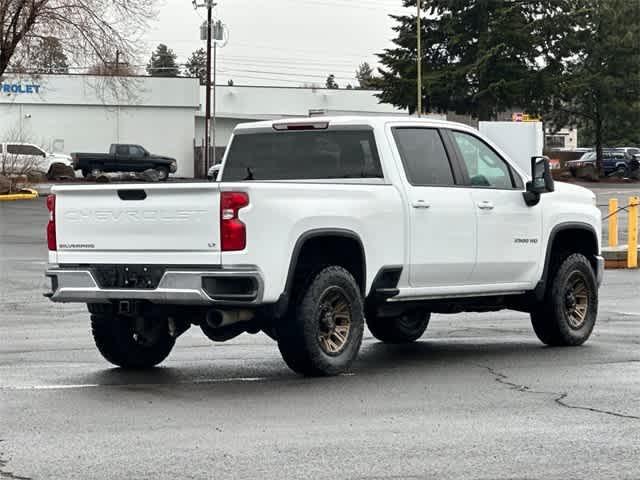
[{"x": 225, "y": 286}]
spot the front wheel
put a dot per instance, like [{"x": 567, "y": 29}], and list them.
[
  {"x": 567, "y": 314},
  {"x": 124, "y": 345},
  {"x": 323, "y": 333},
  {"x": 406, "y": 328},
  {"x": 163, "y": 173}
]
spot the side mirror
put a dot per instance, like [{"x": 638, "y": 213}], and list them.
[{"x": 541, "y": 182}]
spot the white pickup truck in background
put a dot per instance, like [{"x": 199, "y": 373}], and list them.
[{"x": 319, "y": 226}]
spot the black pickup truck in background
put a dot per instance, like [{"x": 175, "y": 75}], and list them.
[{"x": 123, "y": 158}]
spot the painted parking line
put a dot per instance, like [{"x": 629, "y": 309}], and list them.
[
  {"x": 205, "y": 381},
  {"x": 79, "y": 386}
]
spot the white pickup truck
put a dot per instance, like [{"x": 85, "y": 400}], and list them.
[{"x": 318, "y": 226}]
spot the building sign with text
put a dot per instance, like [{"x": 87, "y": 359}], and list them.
[
  {"x": 19, "y": 88},
  {"x": 524, "y": 117}
]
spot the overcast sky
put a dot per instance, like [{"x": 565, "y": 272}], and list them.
[{"x": 283, "y": 42}]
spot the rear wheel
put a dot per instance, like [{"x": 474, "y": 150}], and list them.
[
  {"x": 127, "y": 342},
  {"x": 406, "y": 328},
  {"x": 567, "y": 314},
  {"x": 323, "y": 333}
]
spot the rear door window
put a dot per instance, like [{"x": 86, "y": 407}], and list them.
[
  {"x": 424, "y": 157},
  {"x": 302, "y": 155}
]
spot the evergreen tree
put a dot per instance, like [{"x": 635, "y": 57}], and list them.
[
  {"x": 163, "y": 62},
  {"x": 331, "y": 82},
  {"x": 196, "y": 65},
  {"x": 49, "y": 56},
  {"x": 364, "y": 74},
  {"x": 477, "y": 56},
  {"x": 599, "y": 88}
]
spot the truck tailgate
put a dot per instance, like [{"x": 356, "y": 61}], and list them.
[{"x": 138, "y": 223}]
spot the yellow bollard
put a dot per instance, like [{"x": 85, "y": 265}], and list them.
[
  {"x": 632, "y": 253},
  {"x": 613, "y": 222}
]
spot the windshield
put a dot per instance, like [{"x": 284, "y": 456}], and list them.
[
  {"x": 302, "y": 155},
  {"x": 588, "y": 156}
]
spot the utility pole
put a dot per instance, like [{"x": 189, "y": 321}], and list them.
[
  {"x": 219, "y": 31},
  {"x": 215, "y": 50},
  {"x": 208, "y": 4},
  {"x": 207, "y": 113},
  {"x": 419, "y": 29}
]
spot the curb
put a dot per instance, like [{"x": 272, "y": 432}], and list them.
[
  {"x": 615, "y": 257},
  {"x": 25, "y": 194}
]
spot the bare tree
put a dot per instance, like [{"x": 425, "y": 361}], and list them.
[{"x": 91, "y": 32}]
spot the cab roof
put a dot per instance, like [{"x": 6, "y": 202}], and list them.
[{"x": 372, "y": 121}]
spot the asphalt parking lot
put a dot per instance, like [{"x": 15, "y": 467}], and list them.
[{"x": 477, "y": 398}]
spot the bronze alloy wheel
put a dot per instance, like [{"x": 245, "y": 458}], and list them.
[
  {"x": 576, "y": 300},
  {"x": 334, "y": 317}
]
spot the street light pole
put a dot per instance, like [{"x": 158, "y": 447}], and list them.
[{"x": 419, "y": 29}]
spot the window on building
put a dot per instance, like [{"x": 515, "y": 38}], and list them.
[
  {"x": 424, "y": 157},
  {"x": 556, "y": 141}
]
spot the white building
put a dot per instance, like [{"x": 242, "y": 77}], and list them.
[
  {"x": 79, "y": 113},
  {"x": 85, "y": 113},
  {"x": 563, "y": 139}
]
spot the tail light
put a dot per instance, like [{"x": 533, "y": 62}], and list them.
[
  {"x": 51, "y": 224},
  {"x": 233, "y": 233}
]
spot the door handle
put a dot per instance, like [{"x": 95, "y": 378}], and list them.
[
  {"x": 485, "y": 205},
  {"x": 421, "y": 204}
]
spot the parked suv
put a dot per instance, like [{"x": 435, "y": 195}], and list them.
[
  {"x": 613, "y": 161},
  {"x": 318, "y": 226}
]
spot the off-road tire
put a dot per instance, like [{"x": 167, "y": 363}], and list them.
[
  {"x": 550, "y": 320},
  {"x": 406, "y": 328},
  {"x": 114, "y": 337},
  {"x": 299, "y": 331}
]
